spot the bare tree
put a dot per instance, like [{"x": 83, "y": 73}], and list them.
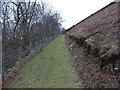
[{"x": 26, "y": 22}]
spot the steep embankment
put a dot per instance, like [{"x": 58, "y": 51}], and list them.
[{"x": 94, "y": 44}]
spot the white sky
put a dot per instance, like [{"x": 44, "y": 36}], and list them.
[{"x": 73, "y": 11}]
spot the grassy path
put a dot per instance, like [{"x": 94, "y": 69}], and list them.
[{"x": 50, "y": 69}]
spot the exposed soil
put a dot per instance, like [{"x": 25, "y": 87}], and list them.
[
  {"x": 88, "y": 67},
  {"x": 95, "y": 45}
]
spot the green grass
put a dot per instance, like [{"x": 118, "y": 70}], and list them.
[{"x": 50, "y": 69}]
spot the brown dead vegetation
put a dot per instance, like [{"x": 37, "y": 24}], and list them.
[{"x": 98, "y": 36}]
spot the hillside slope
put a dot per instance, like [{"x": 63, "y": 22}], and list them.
[{"x": 97, "y": 38}]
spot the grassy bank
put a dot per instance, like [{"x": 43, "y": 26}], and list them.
[{"x": 50, "y": 69}]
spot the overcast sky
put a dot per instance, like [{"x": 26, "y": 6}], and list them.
[{"x": 73, "y": 11}]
